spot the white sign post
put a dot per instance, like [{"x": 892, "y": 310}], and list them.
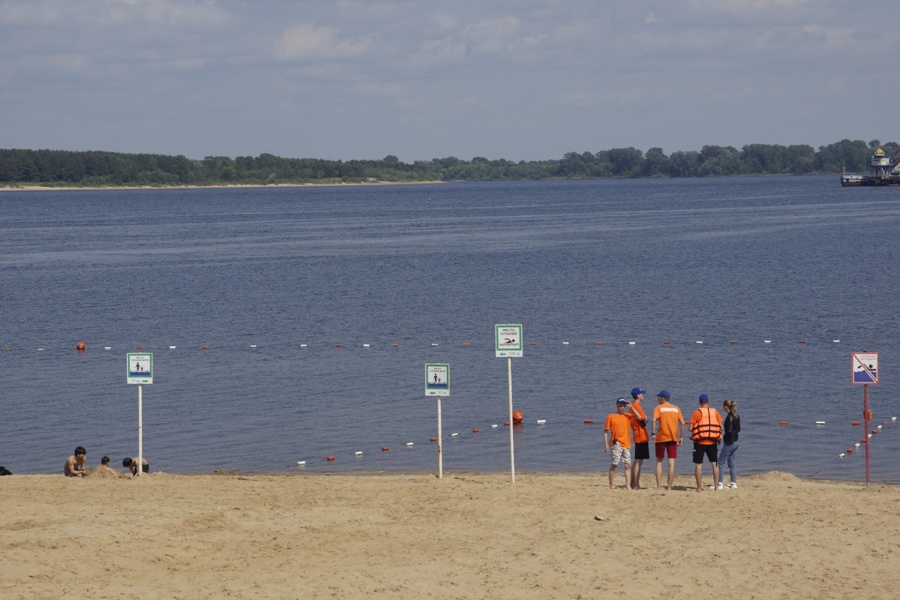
[
  {"x": 437, "y": 383},
  {"x": 140, "y": 371},
  {"x": 864, "y": 370},
  {"x": 508, "y": 344}
]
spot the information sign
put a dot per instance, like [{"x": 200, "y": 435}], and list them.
[
  {"x": 508, "y": 340},
  {"x": 437, "y": 380},
  {"x": 140, "y": 368}
]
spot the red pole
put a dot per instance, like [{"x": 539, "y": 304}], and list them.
[{"x": 866, "y": 414}]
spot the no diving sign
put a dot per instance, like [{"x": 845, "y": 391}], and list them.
[{"x": 864, "y": 367}]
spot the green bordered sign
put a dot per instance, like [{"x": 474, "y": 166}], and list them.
[
  {"x": 140, "y": 367},
  {"x": 508, "y": 340},
  {"x": 437, "y": 380}
]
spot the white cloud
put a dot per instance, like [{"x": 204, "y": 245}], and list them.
[{"x": 305, "y": 41}]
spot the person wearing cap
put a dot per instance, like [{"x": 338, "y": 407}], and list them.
[
  {"x": 706, "y": 431},
  {"x": 639, "y": 434},
  {"x": 617, "y": 441},
  {"x": 667, "y": 430}
]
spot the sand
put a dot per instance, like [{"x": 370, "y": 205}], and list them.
[{"x": 468, "y": 535}]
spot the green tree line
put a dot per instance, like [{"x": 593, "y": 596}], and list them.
[{"x": 99, "y": 168}]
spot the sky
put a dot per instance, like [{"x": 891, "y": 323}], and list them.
[{"x": 513, "y": 79}]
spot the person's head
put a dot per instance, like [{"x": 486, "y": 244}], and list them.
[
  {"x": 79, "y": 451},
  {"x": 104, "y": 461},
  {"x": 663, "y": 396},
  {"x": 127, "y": 462},
  {"x": 730, "y": 406},
  {"x": 621, "y": 405},
  {"x": 704, "y": 399},
  {"x": 638, "y": 394}
]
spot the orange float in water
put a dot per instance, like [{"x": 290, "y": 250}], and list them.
[
  {"x": 329, "y": 458},
  {"x": 782, "y": 422},
  {"x": 80, "y": 346},
  {"x": 474, "y": 431},
  {"x": 517, "y": 417},
  {"x": 588, "y": 421},
  {"x": 384, "y": 448},
  {"x": 434, "y": 439},
  {"x": 855, "y": 423}
]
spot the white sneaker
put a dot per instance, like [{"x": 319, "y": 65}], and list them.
[
  {"x": 720, "y": 486},
  {"x": 732, "y": 485}
]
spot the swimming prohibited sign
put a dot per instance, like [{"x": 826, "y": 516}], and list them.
[
  {"x": 508, "y": 341},
  {"x": 437, "y": 380},
  {"x": 140, "y": 368},
  {"x": 864, "y": 367}
]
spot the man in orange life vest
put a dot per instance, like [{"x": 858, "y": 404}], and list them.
[{"x": 706, "y": 431}]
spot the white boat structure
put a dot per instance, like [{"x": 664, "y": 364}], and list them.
[{"x": 884, "y": 171}]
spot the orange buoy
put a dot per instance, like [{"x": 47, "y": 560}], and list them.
[
  {"x": 338, "y": 345},
  {"x": 204, "y": 347},
  {"x": 733, "y": 342},
  {"x": 666, "y": 343},
  {"x": 329, "y": 458},
  {"x": 506, "y": 423},
  {"x": 849, "y": 450},
  {"x": 434, "y": 439},
  {"x": 80, "y": 346},
  {"x": 589, "y": 421},
  {"x": 871, "y": 341},
  {"x": 599, "y": 343},
  {"x": 517, "y": 417},
  {"x": 855, "y": 423},
  {"x": 801, "y": 341},
  {"x": 384, "y": 448},
  {"x": 467, "y": 344},
  {"x": 7, "y": 349},
  {"x": 534, "y": 343},
  {"x": 140, "y": 347},
  {"x": 475, "y": 431},
  {"x": 782, "y": 422}
]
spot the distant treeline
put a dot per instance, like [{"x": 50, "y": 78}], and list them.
[{"x": 98, "y": 168}]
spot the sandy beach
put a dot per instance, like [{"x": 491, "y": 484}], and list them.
[{"x": 468, "y": 535}]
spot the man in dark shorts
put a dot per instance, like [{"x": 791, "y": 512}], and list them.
[
  {"x": 706, "y": 431},
  {"x": 132, "y": 463},
  {"x": 639, "y": 433}
]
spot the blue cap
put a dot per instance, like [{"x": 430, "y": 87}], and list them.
[
  {"x": 704, "y": 398},
  {"x": 664, "y": 394},
  {"x": 621, "y": 401},
  {"x": 637, "y": 392}
]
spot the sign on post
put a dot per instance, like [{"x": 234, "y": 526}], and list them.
[
  {"x": 508, "y": 341},
  {"x": 437, "y": 380},
  {"x": 140, "y": 368},
  {"x": 864, "y": 367}
]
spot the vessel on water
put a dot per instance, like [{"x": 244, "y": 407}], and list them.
[{"x": 884, "y": 171}]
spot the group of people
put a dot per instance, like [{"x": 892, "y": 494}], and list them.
[
  {"x": 76, "y": 465},
  {"x": 667, "y": 428}
]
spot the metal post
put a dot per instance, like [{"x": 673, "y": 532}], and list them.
[
  {"x": 440, "y": 443},
  {"x": 512, "y": 444},
  {"x": 140, "y": 465},
  {"x": 866, "y": 415}
]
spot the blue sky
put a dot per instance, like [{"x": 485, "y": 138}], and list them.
[{"x": 521, "y": 80}]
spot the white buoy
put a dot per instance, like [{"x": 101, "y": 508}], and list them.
[
  {"x": 879, "y": 427},
  {"x": 857, "y": 444},
  {"x": 541, "y": 421},
  {"x": 434, "y": 343},
  {"x": 631, "y": 343},
  {"x": 565, "y": 343},
  {"x": 357, "y": 453},
  {"x": 494, "y": 426},
  {"x": 41, "y": 349},
  {"x": 699, "y": 341},
  {"x": 253, "y": 345},
  {"x": 409, "y": 444},
  {"x": 104, "y": 347},
  {"x": 171, "y": 347},
  {"x": 836, "y": 341},
  {"x": 893, "y": 418},
  {"x": 820, "y": 422},
  {"x": 841, "y": 455},
  {"x": 454, "y": 435},
  {"x": 868, "y": 436},
  {"x": 767, "y": 341},
  {"x": 300, "y": 463},
  {"x": 303, "y": 345}
]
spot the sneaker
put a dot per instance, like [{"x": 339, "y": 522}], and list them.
[
  {"x": 732, "y": 485},
  {"x": 720, "y": 486}
]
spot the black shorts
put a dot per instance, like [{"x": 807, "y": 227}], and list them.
[
  {"x": 641, "y": 450},
  {"x": 146, "y": 468},
  {"x": 710, "y": 450}
]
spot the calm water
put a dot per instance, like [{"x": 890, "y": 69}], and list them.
[{"x": 273, "y": 280}]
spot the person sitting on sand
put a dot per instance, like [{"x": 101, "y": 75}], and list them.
[
  {"x": 105, "y": 469},
  {"x": 132, "y": 463},
  {"x": 74, "y": 466}
]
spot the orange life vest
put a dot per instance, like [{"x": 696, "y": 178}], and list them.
[{"x": 708, "y": 428}]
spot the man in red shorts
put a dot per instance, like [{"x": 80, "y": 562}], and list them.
[{"x": 668, "y": 432}]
